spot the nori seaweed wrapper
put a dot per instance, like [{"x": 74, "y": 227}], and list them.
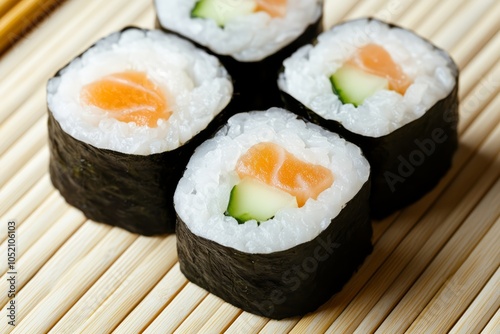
[
  {"x": 134, "y": 192},
  {"x": 286, "y": 283},
  {"x": 255, "y": 83},
  {"x": 409, "y": 162}
]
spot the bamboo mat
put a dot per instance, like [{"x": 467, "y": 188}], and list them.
[{"x": 435, "y": 266}]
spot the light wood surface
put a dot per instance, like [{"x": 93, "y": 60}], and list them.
[
  {"x": 17, "y": 17},
  {"x": 435, "y": 265}
]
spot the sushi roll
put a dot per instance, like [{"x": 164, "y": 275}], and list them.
[
  {"x": 250, "y": 37},
  {"x": 273, "y": 214},
  {"x": 387, "y": 90},
  {"x": 124, "y": 118}
]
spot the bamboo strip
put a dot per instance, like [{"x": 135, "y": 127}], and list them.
[
  {"x": 26, "y": 177},
  {"x": 151, "y": 269},
  {"x": 392, "y": 10},
  {"x": 479, "y": 97},
  {"x": 44, "y": 248},
  {"x": 221, "y": 319},
  {"x": 458, "y": 25},
  {"x": 247, "y": 323},
  {"x": 280, "y": 326},
  {"x": 147, "y": 19},
  {"x": 25, "y": 147},
  {"x": 390, "y": 240},
  {"x": 380, "y": 227},
  {"x": 423, "y": 260},
  {"x": 36, "y": 225},
  {"x": 441, "y": 313},
  {"x": 482, "y": 308},
  {"x": 154, "y": 302},
  {"x": 107, "y": 284},
  {"x": 6, "y": 6},
  {"x": 364, "y": 8},
  {"x": 177, "y": 310},
  {"x": 21, "y": 18},
  {"x": 103, "y": 15},
  {"x": 411, "y": 18},
  {"x": 75, "y": 282},
  {"x": 22, "y": 119},
  {"x": 484, "y": 60},
  {"x": 47, "y": 278},
  {"x": 441, "y": 12},
  {"x": 445, "y": 263},
  {"x": 196, "y": 319},
  {"x": 334, "y": 11},
  {"x": 493, "y": 325},
  {"x": 477, "y": 37},
  {"x": 30, "y": 202}
]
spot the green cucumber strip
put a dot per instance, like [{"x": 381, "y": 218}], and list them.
[
  {"x": 222, "y": 11},
  {"x": 252, "y": 199},
  {"x": 353, "y": 85}
]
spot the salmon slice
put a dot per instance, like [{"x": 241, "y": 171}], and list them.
[
  {"x": 275, "y": 8},
  {"x": 374, "y": 59},
  {"x": 129, "y": 97},
  {"x": 273, "y": 165}
]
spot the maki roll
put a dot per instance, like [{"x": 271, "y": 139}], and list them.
[
  {"x": 250, "y": 37},
  {"x": 124, "y": 117},
  {"x": 273, "y": 214},
  {"x": 387, "y": 90}
]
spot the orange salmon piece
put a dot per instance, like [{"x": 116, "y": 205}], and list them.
[
  {"x": 275, "y": 8},
  {"x": 374, "y": 59},
  {"x": 129, "y": 96},
  {"x": 273, "y": 165}
]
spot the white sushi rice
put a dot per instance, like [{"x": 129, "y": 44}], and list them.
[
  {"x": 202, "y": 195},
  {"x": 247, "y": 38},
  {"x": 197, "y": 88},
  {"x": 307, "y": 72}
]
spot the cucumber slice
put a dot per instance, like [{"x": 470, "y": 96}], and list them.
[
  {"x": 252, "y": 199},
  {"x": 222, "y": 11},
  {"x": 353, "y": 85}
]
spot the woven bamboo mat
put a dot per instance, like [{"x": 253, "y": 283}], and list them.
[{"x": 435, "y": 266}]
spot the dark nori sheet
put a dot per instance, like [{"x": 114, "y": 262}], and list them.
[
  {"x": 255, "y": 83},
  {"x": 285, "y": 283},
  {"x": 134, "y": 192},
  {"x": 409, "y": 162}
]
